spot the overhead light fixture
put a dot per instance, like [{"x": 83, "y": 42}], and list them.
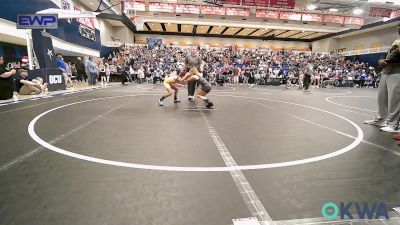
[
  {"x": 91, "y": 3},
  {"x": 358, "y": 11},
  {"x": 312, "y": 7},
  {"x": 333, "y": 10}
]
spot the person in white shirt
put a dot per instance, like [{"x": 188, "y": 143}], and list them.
[{"x": 141, "y": 75}]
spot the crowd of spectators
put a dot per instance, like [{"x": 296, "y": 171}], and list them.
[
  {"x": 232, "y": 65},
  {"x": 140, "y": 63}
]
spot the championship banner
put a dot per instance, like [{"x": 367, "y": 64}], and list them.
[
  {"x": 187, "y": 9},
  {"x": 161, "y": 7},
  {"x": 66, "y": 5},
  {"x": 264, "y": 13},
  {"x": 255, "y": 2},
  {"x": 212, "y": 10},
  {"x": 237, "y": 11},
  {"x": 395, "y": 14},
  {"x": 229, "y": 2},
  {"x": 87, "y": 28},
  {"x": 354, "y": 21},
  {"x": 312, "y": 17},
  {"x": 379, "y": 12},
  {"x": 290, "y": 16},
  {"x": 89, "y": 22},
  {"x": 137, "y": 6},
  {"x": 333, "y": 19},
  {"x": 289, "y": 4}
]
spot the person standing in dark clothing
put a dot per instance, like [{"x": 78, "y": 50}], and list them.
[
  {"x": 308, "y": 71},
  {"x": 80, "y": 67},
  {"x": 7, "y": 86}
]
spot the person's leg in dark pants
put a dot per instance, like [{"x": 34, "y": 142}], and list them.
[
  {"x": 191, "y": 89},
  {"x": 94, "y": 78},
  {"x": 306, "y": 81}
]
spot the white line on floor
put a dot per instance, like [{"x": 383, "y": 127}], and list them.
[
  {"x": 346, "y": 110},
  {"x": 20, "y": 159},
  {"x": 57, "y": 100},
  {"x": 333, "y": 130},
  {"x": 255, "y": 206},
  {"x": 34, "y": 136},
  {"x": 352, "y": 107},
  {"x": 296, "y": 90},
  {"x": 138, "y": 91}
]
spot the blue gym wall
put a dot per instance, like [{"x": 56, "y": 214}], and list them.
[
  {"x": 371, "y": 59},
  {"x": 12, "y": 52},
  {"x": 66, "y": 31}
]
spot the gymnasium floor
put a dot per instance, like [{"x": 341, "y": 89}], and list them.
[{"x": 113, "y": 156}]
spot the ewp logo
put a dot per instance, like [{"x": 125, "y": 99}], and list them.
[
  {"x": 330, "y": 210},
  {"x": 33, "y": 21}
]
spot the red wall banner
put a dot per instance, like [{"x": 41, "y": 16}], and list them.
[
  {"x": 312, "y": 17},
  {"x": 354, "y": 21},
  {"x": 255, "y": 2},
  {"x": 188, "y": 9},
  {"x": 161, "y": 7},
  {"x": 212, "y": 10},
  {"x": 333, "y": 19},
  {"x": 230, "y": 2},
  {"x": 138, "y": 6},
  {"x": 271, "y": 14},
  {"x": 379, "y": 12},
  {"x": 237, "y": 12},
  {"x": 282, "y": 3},
  {"x": 290, "y": 16},
  {"x": 395, "y": 14}
]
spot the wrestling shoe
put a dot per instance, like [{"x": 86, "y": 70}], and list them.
[
  {"x": 209, "y": 105},
  {"x": 190, "y": 97},
  {"x": 160, "y": 103},
  {"x": 177, "y": 101},
  {"x": 389, "y": 129},
  {"x": 379, "y": 123}
]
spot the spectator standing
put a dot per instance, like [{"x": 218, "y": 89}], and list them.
[
  {"x": 389, "y": 90},
  {"x": 102, "y": 74},
  {"x": 91, "y": 71},
  {"x": 108, "y": 74},
  {"x": 307, "y": 75},
  {"x": 80, "y": 68},
  {"x": 7, "y": 86},
  {"x": 63, "y": 68},
  {"x": 246, "y": 77},
  {"x": 140, "y": 75}
]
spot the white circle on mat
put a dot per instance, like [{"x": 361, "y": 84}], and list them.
[{"x": 357, "y": 141}]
